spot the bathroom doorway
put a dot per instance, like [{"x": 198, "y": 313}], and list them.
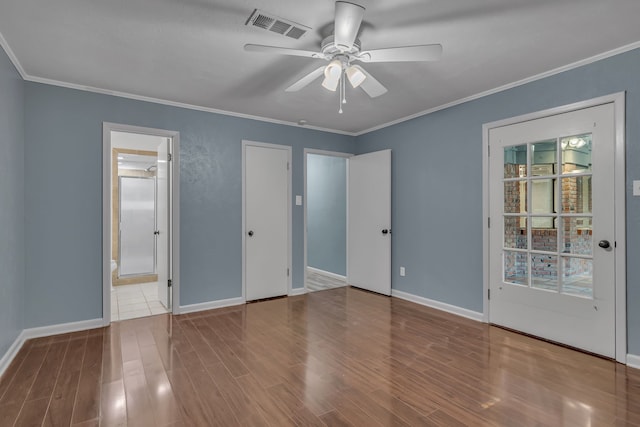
[
  {"x": 138, "y": 226},
  {"x": 325, "y": 219}
]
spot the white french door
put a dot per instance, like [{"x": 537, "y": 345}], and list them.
[
  {"x": 552, "y": 208},
  {"x": 369, "y": 222},
  {"x": 266, "y": 192}
]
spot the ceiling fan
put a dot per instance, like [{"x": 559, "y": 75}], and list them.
[{"x": 343, "y": 48}]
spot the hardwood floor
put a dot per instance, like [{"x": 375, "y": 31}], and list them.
[
  {"x": 317, "y": 281},
  {"x": 337, "y": 357}
]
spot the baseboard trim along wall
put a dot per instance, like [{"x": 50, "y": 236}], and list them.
[
  {"x": 633, "y": 361},
  {"x": 297, "y": 291},
  {"x": 327, "y": 273},
  {"x": 11, "y": 352},
  {"x": 192, "y": 308},
  {"x": 63, "y": 328},
  {"x": 469, "y": 314},
  {"x": 45, "y": 331}
]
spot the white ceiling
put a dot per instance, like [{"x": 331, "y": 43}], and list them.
[
  {"x": 191, "y": 51},
  {"x": 136, "y": 162}
]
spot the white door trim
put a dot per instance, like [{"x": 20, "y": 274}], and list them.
[
  {"x": 174, "y": 169},
  {"x": 288, "y": 149},
  {"x": 304, "y": 205},
  {"x": 618, "y": 100}
]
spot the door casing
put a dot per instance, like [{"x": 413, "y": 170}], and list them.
[
  {"x": 618, "y": 100},
  {"x": 288, "y": 149},
  {"x": 174, "y": 250}
]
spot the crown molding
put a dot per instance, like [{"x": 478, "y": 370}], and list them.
[
  {"x": 517, "y": 83},
  {"x": 12, "y": 57},
  {"x": 177, "y": 104},
  {"x": 573, "y": 65}
]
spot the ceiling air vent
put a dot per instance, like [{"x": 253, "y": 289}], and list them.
[{"x": 276, "y": 24}]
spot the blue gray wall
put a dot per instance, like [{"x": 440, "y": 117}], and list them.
[
  {"x": 436, "y": 202},
  {"x": 437, "y": 182},
  {"x": 327, "y": 213},
  {"x": 12, "y": 253},
  {"x": 64, "y": 196}
]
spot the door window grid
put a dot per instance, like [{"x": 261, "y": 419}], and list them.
[{"x": 543, "y": 248}]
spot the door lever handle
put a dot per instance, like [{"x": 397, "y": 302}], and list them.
[{"x": 156, "y": 232}]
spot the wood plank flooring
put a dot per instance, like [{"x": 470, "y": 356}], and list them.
[
  {"x": 332, "y": 358},
  {"x": 317, "y": 281}
]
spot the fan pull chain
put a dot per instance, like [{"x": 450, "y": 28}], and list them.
[
  {"x": 342, "y": 96},
  {"x": 344, "y": 88}
]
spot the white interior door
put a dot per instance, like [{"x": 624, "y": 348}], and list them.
[
  {"x": 552, "y": 248},
  {"x": 266, "y": 221},
  {"x": 369, "y": 222},
  {"x": 163, "y": 228}
]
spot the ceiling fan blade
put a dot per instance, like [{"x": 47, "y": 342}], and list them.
[
  {"x": 306, "y": 80},
  {"x": 426, "y": 52},
  {"x": 371, "y": 86},
  {"x": 348, "y": 18},
  {"x": 282, "y": 51}
]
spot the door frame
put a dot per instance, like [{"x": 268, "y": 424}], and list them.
[
  {"x": 304, "y": 206},
  {"x": 288, "y": 149},
  {"x": 618, "y": 101},
  {"x": 174, "y": 226}
]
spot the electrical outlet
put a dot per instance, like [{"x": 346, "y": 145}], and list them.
[
  {"x": 402, "y": 272},
  {"x": 636, "y": 187}
]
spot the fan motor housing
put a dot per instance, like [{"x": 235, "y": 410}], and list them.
[{"x": 329, "y": 48}]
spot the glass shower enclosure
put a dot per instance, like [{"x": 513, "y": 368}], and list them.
[{"x": 137, "y": 226}]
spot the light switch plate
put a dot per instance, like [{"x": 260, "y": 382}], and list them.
[
  {"x": 298, "y": 200},
  {"x": 636, "y": 187},
  {"x": 402, "y": 271}
]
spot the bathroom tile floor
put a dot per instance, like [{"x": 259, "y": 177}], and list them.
[{"x": 133, "y": 301}]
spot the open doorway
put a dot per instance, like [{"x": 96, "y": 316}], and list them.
[
  {"x": 325, "y": 219},
  {"x": 138, "y": 222}
]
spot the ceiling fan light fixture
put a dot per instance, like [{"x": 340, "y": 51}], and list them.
[
  {"x": 332, "y": 75},
  {"x": 355, "y": 76}
]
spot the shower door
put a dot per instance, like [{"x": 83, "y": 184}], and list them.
[{"x": 137, "y": 226}]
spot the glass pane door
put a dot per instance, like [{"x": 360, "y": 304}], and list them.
[{"x": 547, "y": 215}]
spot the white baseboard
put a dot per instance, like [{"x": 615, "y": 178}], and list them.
[
  {"x": 11, "y": 353},
  {"x": 327, "y": 273},
  {"x": 62, "y": 328},
  {"x": 633, "y": 361},
  {"x": 297, "y": 291},
  {"x": 453, "y": 309},
  {"x": 45, "y": 331},
  {"x": 192, "y": 308}
]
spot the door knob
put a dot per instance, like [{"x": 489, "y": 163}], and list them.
[
  {"x": 604, "y": 244},
  {"x": 385, "y": 231},
  {"x": 250, "y": 233}
]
